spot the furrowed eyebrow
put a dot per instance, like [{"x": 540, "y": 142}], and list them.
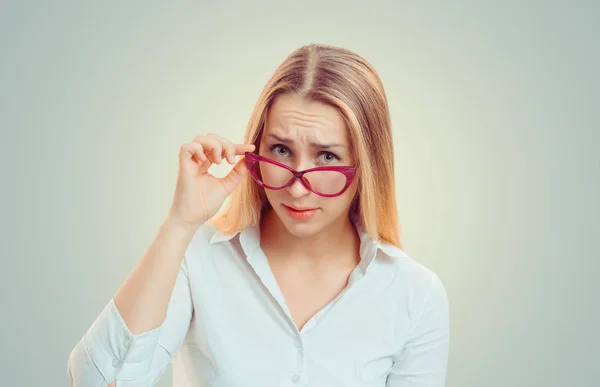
[{"x": 313, "y": 144}]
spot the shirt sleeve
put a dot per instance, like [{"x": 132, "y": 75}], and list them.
[
  {"x": 108, "y": 351},
  {"x": 423, "y": 360}
]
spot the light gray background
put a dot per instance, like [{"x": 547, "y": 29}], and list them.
[{"x": 494, "y": 109}]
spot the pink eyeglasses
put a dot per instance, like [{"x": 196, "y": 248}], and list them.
[{"x": 323, "y": 181}]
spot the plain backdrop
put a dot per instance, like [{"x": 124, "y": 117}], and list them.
[{"x": 494, "y": 109}]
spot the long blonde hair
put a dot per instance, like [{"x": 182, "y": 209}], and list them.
[{"x": 345, "y": 80}]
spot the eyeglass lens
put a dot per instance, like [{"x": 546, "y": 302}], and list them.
[{"x": 325, "y": 182}]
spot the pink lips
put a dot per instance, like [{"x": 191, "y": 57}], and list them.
[
  {"x": 300, "y": 209},
  {"x": 300, "y": 214}
]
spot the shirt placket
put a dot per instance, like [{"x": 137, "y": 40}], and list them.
[{"x": 259, "y": 263}]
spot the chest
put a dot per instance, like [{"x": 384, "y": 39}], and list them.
[
  {"x": 239, "y": 335},
  {"x": 307, "y": 289}
]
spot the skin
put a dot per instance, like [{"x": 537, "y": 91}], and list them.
[{"x": 311, "y": 259}]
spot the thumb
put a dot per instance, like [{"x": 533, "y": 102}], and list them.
[{"x": 235, "y": 176}]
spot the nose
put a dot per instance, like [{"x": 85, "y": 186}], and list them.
[{"x": 297, "y": 189}]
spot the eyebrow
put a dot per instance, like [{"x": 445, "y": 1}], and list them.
[{"x": 313, "y": 144}]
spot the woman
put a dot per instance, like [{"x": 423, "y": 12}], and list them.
[{"x": 302, "y": 280}]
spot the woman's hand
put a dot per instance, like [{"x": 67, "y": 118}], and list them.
[{"x": 199, "y": 194}]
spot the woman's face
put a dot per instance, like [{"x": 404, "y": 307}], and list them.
[{"x": 306, "y": 134}]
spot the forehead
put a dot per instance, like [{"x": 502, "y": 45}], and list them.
[{"x": 297, "y": 118}]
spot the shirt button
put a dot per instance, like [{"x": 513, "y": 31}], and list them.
[
  {"x": 127, "y": 342},
  {"x": 295, "y": 378},
  {"x": 115, "y": 363},
  {"x": 298, "y": 344}
]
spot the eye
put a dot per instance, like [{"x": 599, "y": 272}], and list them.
[
  {"x": 279, "y": 149},
  {"x": 329, "y": 157}
]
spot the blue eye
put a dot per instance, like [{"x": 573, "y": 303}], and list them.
[
  {"x": 273, "y": 149},
  {"x": 330, "y": 157}
]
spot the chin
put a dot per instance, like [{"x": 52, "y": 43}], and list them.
[{"x": 301, "y": 230}]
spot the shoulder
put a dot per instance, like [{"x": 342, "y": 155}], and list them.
[
  {"x": 209, "y": 241},
  {"x": 201, "y": 238},
  {"x": 408, "y": 270},
  {"x": 418, "y": 286},
  {"x": 199, "y": 245}
]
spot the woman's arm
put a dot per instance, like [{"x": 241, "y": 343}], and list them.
[
  {"x": 139, "y": 331},
  {"x": 423, "y": 360},
  {"x": 143, "y": 298}
]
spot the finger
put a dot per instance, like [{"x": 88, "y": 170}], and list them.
[
  {"x": 212, "y": 148},
  {"x": 192, "y": 150},
  {"x": 235, "y": 176},
  {"x": 240, "y": 149},
  {"x": 228, "y": 148}
]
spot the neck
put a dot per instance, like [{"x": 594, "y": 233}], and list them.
[{"x": 339, "y": 238}]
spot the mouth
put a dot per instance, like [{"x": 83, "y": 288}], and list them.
[
  {"x": 300, "y": 213},
  {"x": 299, "y": 209}
]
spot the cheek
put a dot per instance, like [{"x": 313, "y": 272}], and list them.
[
  {"x": 269, "y": 194},
  {"x": 342, "y": 202},
  {"x": 273, "y": 196}
]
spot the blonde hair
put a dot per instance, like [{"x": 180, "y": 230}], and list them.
[{"x": 345, "y": 80}]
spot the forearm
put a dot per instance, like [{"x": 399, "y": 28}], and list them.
[{"x": 143, "y": 298}]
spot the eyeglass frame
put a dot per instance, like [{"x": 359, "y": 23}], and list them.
[{"x": 252, "y": 158}]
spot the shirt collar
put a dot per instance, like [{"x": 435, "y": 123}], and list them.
[{"x": 250, "y": 241}]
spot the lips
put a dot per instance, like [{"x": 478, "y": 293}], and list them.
[{"x": 299, "y": 208}]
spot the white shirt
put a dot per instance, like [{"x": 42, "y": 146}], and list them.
[{"x": 227, "y": 325}]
